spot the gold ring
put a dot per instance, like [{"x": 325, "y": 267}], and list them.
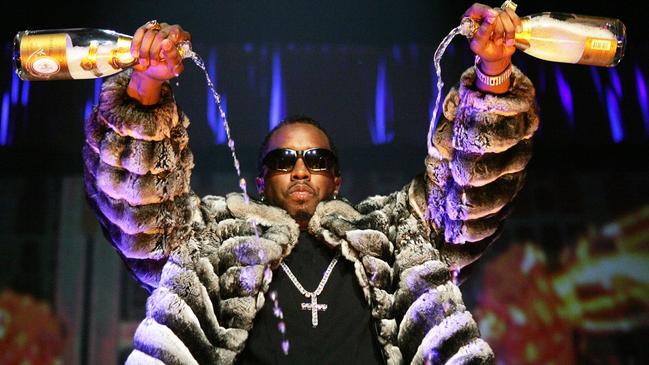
[
  {"x": 509, "y": 4},
  {"x": 153, "y": 25}
]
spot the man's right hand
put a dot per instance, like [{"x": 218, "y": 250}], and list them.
[{"x": 159, "y": 60}]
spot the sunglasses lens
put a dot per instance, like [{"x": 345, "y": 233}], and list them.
[
  {"x": 319, "y": 159},
  {"x": 280, "y": 159}
]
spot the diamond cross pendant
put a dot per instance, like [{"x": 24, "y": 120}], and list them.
[{"x": 314, "y": 307}]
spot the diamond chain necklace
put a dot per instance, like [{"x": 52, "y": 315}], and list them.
[{"x": 314, "y": 307}]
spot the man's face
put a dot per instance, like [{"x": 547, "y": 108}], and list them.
[{"x": 298, "y": 191}]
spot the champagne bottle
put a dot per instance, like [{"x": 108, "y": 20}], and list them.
[
  {"x": 568, "y": 38},
  {"x": 81, "y": 53}
]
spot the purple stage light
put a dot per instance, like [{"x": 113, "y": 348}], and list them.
[
  {"x": 4, "y": 119},
  {"x": 615, "y": 81},
  {"x": 597, "y": 80},
  {"x": 396, "y": 54},
  {"x": 641, "y": 87},
  {"x": 87, "y": 109},
  {"x": 277, "y": 98},
  {"x": 383, "y": 111},
  {"x": 24, "y": 93},
  {"x": 213, "y": 118},
  {"x": 15, "y": 88},
  {"x": 378, "y": 129},
  {"x": 98, "y": 82},
  {"x": 614, "y": 116},
  {"x": 565, "y": 93}
]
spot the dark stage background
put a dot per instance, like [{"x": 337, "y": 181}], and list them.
[{"x": 567, "y": 282}]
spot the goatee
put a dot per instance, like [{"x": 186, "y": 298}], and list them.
[{"x": 302, "y": 215}]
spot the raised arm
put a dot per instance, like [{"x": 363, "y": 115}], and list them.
[
  {"x": 482, "y": 144},
  {"x": 137, "y": 163},
  {"x": 474, "y": 169},
  {"x": 444, "y": 220}
]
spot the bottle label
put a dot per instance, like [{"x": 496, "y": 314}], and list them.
[
  {"x": 599, "y": 51},
  {"x": 45, "y": 66},
  {"x": 43, "y": 56},
  {"x": 601, "y": 44}
]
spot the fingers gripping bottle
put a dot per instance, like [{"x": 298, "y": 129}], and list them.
[{"x": 81, "y": 53}]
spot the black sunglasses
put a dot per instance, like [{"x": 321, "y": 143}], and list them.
[{"x": 315, "y": 159}]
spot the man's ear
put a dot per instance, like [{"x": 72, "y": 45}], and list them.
[
  {"x": 337, "y": 182},
  {"x": 260, "y": 185}
]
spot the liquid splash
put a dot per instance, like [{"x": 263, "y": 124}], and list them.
[
  {"x": 277, "y": 310},
  {"x": 226, "y": 126},
  {"x": 281, "y": 325},
  {"x": 466, "y": 28},
  {"x": 217, "y": 99},
  {"x": 461, "y": 29}
]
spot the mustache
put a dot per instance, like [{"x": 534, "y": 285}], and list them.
[{"x": 301, "y": 186}]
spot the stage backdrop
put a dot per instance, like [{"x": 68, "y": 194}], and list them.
[{"x": 566, "y": 283}]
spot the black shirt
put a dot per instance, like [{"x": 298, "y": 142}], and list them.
[{"x": 345, "y": 333}]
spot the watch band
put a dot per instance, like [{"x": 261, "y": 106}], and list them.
[{"x": 491, "y": 80}]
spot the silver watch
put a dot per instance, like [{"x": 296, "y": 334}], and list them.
[{"x": 491, "y": 80}]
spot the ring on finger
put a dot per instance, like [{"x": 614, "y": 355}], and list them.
[
  {"x": 153, "y": 25},
  {"x": 509, "y": 4}
]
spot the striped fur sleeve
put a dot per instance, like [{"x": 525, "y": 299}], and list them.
[{"x": 137, "y": 169}]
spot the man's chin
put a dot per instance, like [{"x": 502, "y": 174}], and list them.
[
  {"x": 302, "y": 215},
  {"x": 302, "y": 210}
]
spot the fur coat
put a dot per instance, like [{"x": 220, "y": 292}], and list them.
[{"x": 208, "y": 273}]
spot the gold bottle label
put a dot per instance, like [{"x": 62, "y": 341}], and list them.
[
  {"x": 43, "y": 56},
  {"x": 598, "y": 52}
]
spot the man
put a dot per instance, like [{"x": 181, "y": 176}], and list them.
[{"x": 232, "y": 281}]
